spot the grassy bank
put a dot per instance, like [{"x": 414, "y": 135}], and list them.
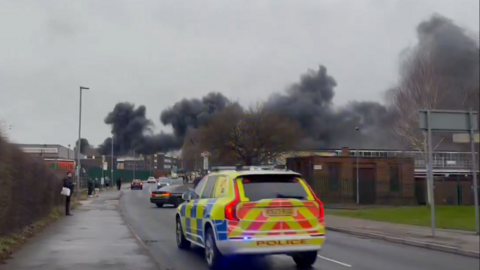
[
  {"x": 447, "y": 217},
  {"x": 13, "y": 242}
]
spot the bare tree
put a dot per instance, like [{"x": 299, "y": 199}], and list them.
[
  {"x": 419, "y": 88},
  {"x": 253, "y": 136}
]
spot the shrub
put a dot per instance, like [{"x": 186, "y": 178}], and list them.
[{"x": 29, "y": 191}]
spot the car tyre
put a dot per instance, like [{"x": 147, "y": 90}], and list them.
[
  {"x": 159, "y": 205},
  {"x": 212, "y": 255},
  {"x": 182, "y": 242},
  {"x": 305, "y": 260}
]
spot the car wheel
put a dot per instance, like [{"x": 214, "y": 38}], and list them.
[
  {"x": 305, "y": 260},
  {"x": 182, "y": 242},
  {"x": 212, "y": 255},
  {"x": 159, "y": 205}
]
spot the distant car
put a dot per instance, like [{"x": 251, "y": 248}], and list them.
[
  {"x": 171, "y": 194},
  {"x": 136, "y": 184},
  {"x": 163, "y": 182},
  {"x": 152, "y": 179}
]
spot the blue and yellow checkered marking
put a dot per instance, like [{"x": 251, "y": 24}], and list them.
[{"x": 194, "y": 213}]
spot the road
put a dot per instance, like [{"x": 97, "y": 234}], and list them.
[{"x": 156, "y": 228}]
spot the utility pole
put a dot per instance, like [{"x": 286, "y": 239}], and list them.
[
  {"x": 357, "y": 171},
  {"x": 194, "y": 143},
  {"x": 111, "y": 165},
  {"x": 134, "y": 162},
  {"x": 79, "y": 135}
]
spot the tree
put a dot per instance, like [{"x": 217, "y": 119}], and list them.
[
  {"x": 425, "y": 85},
  {"x": 84, "y": 145},
  {"x": 419, "y": 88},
  {"x": 254, "y": 136}
]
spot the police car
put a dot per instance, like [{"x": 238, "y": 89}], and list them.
[{"x": 252, "y": 212}]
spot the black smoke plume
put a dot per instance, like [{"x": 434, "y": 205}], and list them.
[
  {"x": 310, "y": 103},
  {"x": 133, "y": 131}
]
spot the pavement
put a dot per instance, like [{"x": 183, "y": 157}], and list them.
[
  {"x": 98, "y": 238},
  {"x": 95, "y": 237},
  {"x": 460, "y": 242}
]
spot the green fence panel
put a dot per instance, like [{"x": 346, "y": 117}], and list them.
[{"x": 126, "y": 175}]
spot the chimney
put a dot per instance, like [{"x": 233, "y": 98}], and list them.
[{"x": 345, "y": 152}]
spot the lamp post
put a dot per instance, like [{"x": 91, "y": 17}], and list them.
[
  {"x": 79, "y": 134},
  {"x": 356, "y": 168},
  {"x": 111, "y": 165},
  {"x": 69, "y": 151},
  {"x": 134, "y": 162}
]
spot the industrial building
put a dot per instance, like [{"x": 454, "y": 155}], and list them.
[
  {"x": 49, "y": 151},
  {"x": 155, "y": 162}
]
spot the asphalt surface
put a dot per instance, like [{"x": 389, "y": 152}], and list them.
[{"x": 156, "y": 228}]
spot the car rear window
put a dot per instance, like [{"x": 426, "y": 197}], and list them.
[{"x": 259, "y": 187}]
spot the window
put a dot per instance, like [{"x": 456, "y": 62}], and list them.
[
  {"x": 200, "y": 186},
  {"x": 221, "y": 187},
  {"x": 259, "y": 187},
  {"x": 394, "y": 178},
  {"x": 333, "y": 177},
  {"x": 208, "y": 191}
]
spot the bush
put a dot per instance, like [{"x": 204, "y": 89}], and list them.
[{"x": 29, "y": 191}]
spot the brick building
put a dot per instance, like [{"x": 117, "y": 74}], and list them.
[{"x": 381, "y": 180}]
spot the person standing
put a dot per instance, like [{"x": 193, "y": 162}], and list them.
[
  {"x": 91, "y": 187},
  {"x": 107, "y": 182},
  {"x": 68, "y": 183},
  {"x": 119, "y": 183}
]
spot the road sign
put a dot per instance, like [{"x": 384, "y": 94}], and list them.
[
  {"x": 454, "y": 122},
  {"x": 205, "y": 154},
  {"x": 465, "y": 138},
  {"x": 105, "y": 166},
  {"x": 205, "y": 162}
]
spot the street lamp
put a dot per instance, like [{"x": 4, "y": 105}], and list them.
[
  {"x": 134, "y": 162},
  {"x": 69, "y": 151},
  {"x": 79, "y": 134},
  {"x": 358, "y": 182},
  {"x": 111, "y": 165}
]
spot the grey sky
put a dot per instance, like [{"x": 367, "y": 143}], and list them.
[{"x": 156, "y": 52}]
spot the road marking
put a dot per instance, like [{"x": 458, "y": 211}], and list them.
[{"x": 334, "y": 261}]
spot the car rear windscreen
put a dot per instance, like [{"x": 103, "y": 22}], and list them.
[{"x": 259, "y": 187}]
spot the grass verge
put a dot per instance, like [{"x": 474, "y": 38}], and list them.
[
  {"x": 13, "y": 242},
  {"x": 446, "y": 217}
]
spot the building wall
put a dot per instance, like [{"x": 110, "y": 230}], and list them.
[
  {"x": 49, "y": 151},
  {"x": 334, "y": 178}
]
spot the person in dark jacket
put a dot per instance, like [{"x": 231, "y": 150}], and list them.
[
  {"x": 196, "y": 181},
  {"x": 119, "y": 183},
  {"x": 68, "y": 183}
]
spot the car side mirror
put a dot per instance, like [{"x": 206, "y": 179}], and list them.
[{"x": 187, "y": 196}]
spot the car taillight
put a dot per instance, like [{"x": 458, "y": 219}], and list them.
[
  {"x": 153, "y": 194},
  {"x": 167, "y": 194},
  {"x": 231, "y": 208},
  {"x": 321, "y": 214}
]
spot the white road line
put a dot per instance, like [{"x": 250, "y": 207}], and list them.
[{"x": 334, "y": 261}]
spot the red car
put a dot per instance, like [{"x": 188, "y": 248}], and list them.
[{"x": 136, "y": 184}]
